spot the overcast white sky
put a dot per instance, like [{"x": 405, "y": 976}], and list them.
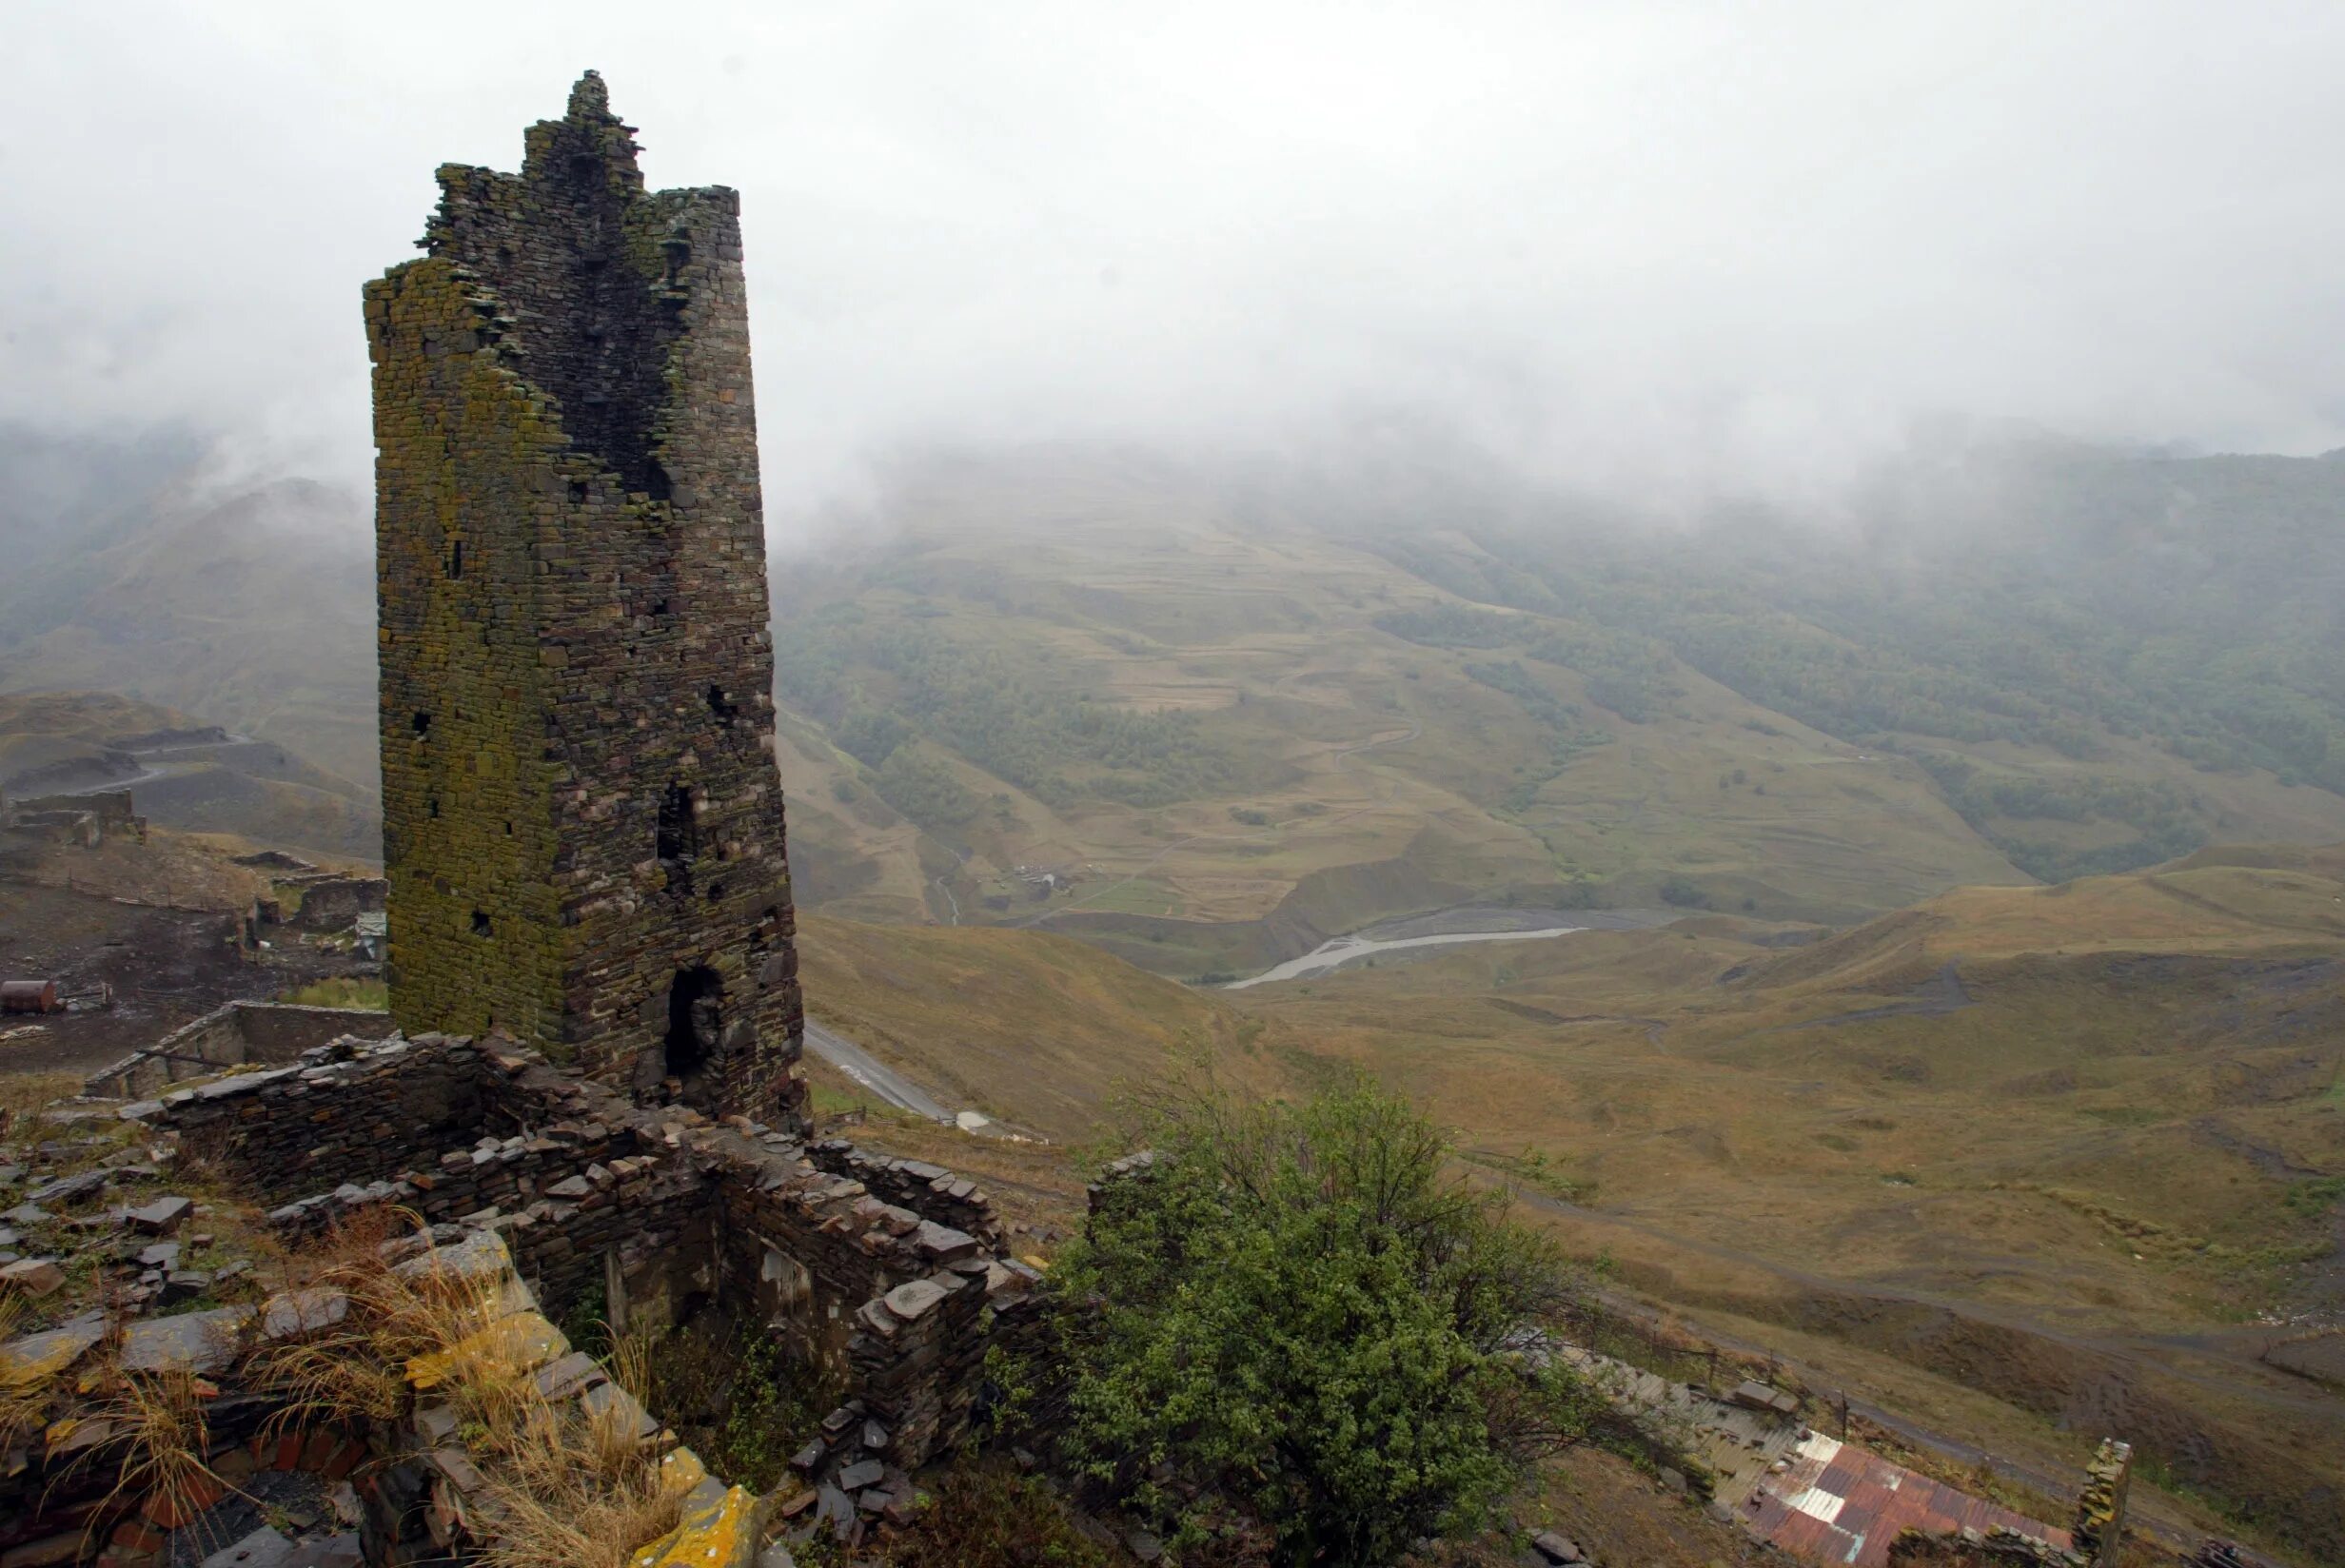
[{"x": 1639, "y": 244}]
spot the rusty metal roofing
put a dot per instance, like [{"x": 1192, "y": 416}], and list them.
[{"x": 1835, "y": 1503}]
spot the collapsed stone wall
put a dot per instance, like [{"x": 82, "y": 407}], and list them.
[
  {"x": 942, "y": 1195},
  {"x": 583, "y": 820},
  {"x": 332, "y": 903},
  {"x": 657, "y": 1208},
  {"x": 112, "y": 808},
  {"x": 235, "y": 1035}
]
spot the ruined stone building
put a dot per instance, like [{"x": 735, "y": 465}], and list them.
[{"x": 583, "y": 820}]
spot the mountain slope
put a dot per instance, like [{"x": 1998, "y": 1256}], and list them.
[
  {"x": 1192, "y": 699},
  {"x": 252, "y": 609},
  {"x": 2080, "y": 1148}
]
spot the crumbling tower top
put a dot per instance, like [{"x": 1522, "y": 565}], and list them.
[{"x": 582, "y": 823}]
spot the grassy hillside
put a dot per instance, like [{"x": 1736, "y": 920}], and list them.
[
  {"x": 1033, "y": 1028},
  {"x": 1189, "y": 700},
  {"x": 182, "y": 772},
  {"x": 1107, "y": 675},
  {"x": 2080, "y": 1148},
  {"x": 252, "y": 610},
  {"x": 2032, "y": 1163},
  {"x": 1206, "y": 716}
]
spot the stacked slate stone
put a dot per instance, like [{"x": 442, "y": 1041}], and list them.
[
  {"x": 2099, "y": 1528},
  {"x": 583, "y": 820},
  {"x": 944, "y": 1194},
  {"x": 293, "y": 1132}
]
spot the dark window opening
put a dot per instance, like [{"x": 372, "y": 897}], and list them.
[
  {"x": 431, "y": 807},
  {"x": 696, "y": 1025},
  {"x": 767, "y": 931},
  {"x": 482, "y": 926},
  {"x": 584, "y": 165},
  {"x": 677, "y": 839},
  {"x": 715, "y": 892},
  {"x": 456, "y": 560},
  {"x": 659, "y": 607},
  {"x": 718, "y": 705},
  {"x": 508, "y": 830},
  {"x": 422, "y": 725},
  {"x": 656, "y": 481},
  {"x": 578, "y": 492}
]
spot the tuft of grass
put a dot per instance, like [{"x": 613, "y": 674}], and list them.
[
  {"x": 574, "y": 1489},
  {"x": 157, "y": 1434},
  {"x": 24, "y": 1402},
  {"x": 570, "y": 1488}
]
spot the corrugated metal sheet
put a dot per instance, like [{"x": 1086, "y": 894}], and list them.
[{"x": 1837, "y": 1503}]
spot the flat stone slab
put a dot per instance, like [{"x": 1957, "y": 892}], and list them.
[
  {"x": 1753, "y": 1395},
  {"x": 333, "y": 1552},
  {"x": 304, "y": 1311},
  {"x": 631, "y": 1417},
  {"x": 1555, "y": 1548},
  {"x": 944, "y": 1243},
  {"x": 914, "y": 1298},
  {"x": 565, "y": 1376},
  {"x": 163, "y": 1216},
  {"x": 32, "y": 1276},
  {"x": 862, "y": 1474},
  {"x": 198, "y": 1341},
  {"x": 481, "y": 1252},
  {"x": 67, "y": 1189},
  {"x": 36, "y": 1357}
]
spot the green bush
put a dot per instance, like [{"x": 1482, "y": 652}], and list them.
[{"x": 1294, "y": 1308}]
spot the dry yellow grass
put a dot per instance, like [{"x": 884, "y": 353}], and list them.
[
  {"x": 567, "y": 1487},
  {"x": 1032, "y": 1029}
]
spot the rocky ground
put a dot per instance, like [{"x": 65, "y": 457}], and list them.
[{"x": 162, "y": 966}]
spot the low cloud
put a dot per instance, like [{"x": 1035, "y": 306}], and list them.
[{"x": 1665, "y": 252}]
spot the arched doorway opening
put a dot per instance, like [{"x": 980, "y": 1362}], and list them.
[{"x": 696, "y": 1025}]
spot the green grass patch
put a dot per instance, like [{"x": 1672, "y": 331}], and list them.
[{"x": 365, "y": 993}]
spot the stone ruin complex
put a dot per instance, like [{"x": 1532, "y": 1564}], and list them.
[
  {"x": 584, "y": 1093},
  {"x": 583, "y": 819}
]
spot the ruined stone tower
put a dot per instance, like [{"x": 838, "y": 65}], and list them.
[{"x": 582, "y": 822}]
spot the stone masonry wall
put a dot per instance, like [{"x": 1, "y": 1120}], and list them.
[
  {"x": 929, "y": 1190},
  {"x": 583, "y": 828},
  {"x": 293, "y": 1132}
]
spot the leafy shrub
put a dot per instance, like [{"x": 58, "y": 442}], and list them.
[{"x": 1296, "y": 1310}]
